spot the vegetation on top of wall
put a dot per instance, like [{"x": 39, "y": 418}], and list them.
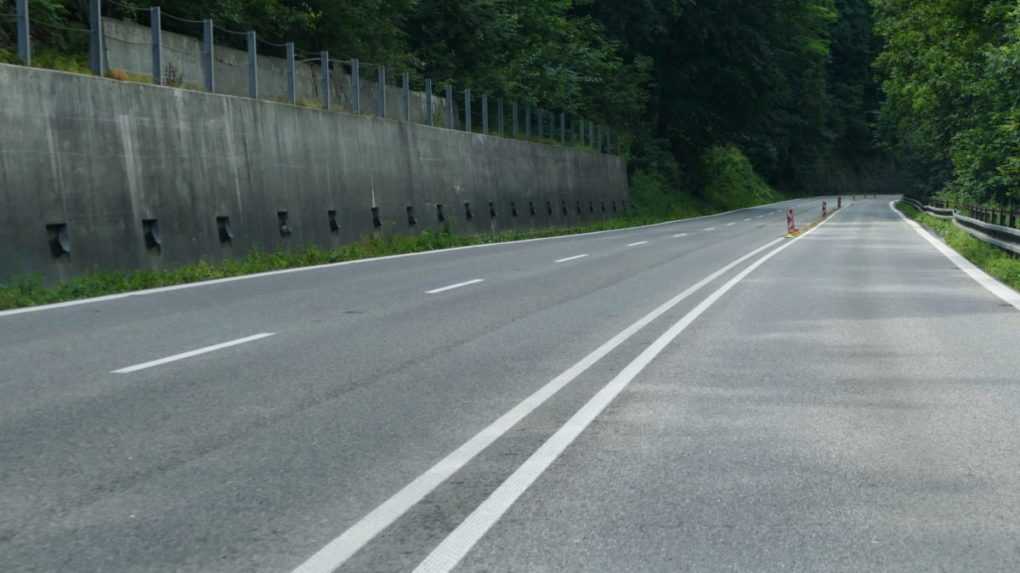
[{"x": 789, "y": 84}]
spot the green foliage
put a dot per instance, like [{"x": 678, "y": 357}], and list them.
[
  {"x": 951, "y": 77},
  {"x": 730, "y": 179},
  {"x": 989, "y": 258}
]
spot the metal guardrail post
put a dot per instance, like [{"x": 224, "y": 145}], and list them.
[
  {"x": 527, "y": 121},
  {"x": 428, "y": 102},
  {"x": 563, "y": 128},
  {"x": 208, "y": 51},
  {"x": 156, "y": 32},
  {"x": 356, "y": 85},
  {"x": 499, "y": 116},
  {"x": 97, "y": 53},
  {"x": 380, "y": 104},
  {"x": 327, "y": 83},
  {"x": 253, "y": 66},
  {"x": 406, "y": 84},
  {"x": 467, "y": 110},
  {"x": 24, "y": 33}
]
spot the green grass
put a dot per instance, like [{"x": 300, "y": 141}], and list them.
[
  {"x": 30, "y": 290},
  {"x": 993, "y": 260}
]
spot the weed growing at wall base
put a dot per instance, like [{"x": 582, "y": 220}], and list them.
[
  {"x": 31, "y": 290},
  {"x": 988, "y": 258}
]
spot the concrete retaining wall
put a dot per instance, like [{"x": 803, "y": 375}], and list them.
[{"x": 100, "y": 156}]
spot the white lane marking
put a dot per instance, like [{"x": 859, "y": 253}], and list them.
[
  {"x": 746, "y": 219},
  {"x": 730, "y": 224},
  {"x": 710, "y": 229},
  {"x": 459, "y": 542},
  {"x": 160, "y": 290},
  {"x": 990, "y": 283},
  {"x": 192, "y": 353},
  {"x": 679, "y": 235},
  {"x": 573, "y": 258},
  {"x": 455, "y": 286},
  {"x": 638, "y": 244},
  {"x": 338, "y": 551}
]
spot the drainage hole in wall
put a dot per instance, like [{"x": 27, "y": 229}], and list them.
[
  {"x": 467, "y": 211},
  {"x": 223, "y": 228},
  {"x": 283, "y": 219},
  {"x": 59, "y": 240},
  {"x": 440, "y": 216},
  {"x": 334, "y": 225},
  {"x": 411, "y": 219},
  {"x": 150, "y": 228},
  {"x": 376, "y": 221}
]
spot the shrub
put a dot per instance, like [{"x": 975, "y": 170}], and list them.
[{"x": 730, "y": 181}]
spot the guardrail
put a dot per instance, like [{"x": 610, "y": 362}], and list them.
[{"x": 1006, "y": 238}]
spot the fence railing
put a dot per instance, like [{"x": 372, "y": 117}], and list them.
[
  {"x": 200, "y": 55},
  {"x": 1005, "y": 236}
]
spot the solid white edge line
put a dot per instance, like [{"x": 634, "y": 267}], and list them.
[
  {"x": 573, "y": 258},
  {"x": 990, "y": 283},
  {"x": 455, "y": 286},
  {"x": 192, "y": 353},
  {"x": 160, "y": 290},
  {"x": 638, "y": 243},
  {"x": 338, "y": 551},
  {"x": 459, "y": 542}
]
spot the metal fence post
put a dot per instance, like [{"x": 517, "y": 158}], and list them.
[
  {"x": 485, "y": 114},
  {"x": 428, "y": 101},
  {"x": 355, "y": 85},
  {"x": 327, "y": 84},
  {"x": 451, "y": 121},
  {"x": 563, "y": 128},
  {"x": 499, "y": 118},
  {"x": 97, "y": 53},
  {"x": 24, "y": 34},
  {"x": 208, "y": 63},
  {"x": 380, "y": 106},
  {"x": 253, "y": 66},
  {"x": 467, "y": 110},
  {"x": 291, "y": 73},
  {"x": 156, "y": 27},
  {"x": 527, "y": 120},
  {"x": 514, "y": 118},
  {"x": 407, "y": 96},
  {"x": 591, "y": 133}
]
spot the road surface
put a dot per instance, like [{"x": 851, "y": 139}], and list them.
[{"x": 696, "y": 396}]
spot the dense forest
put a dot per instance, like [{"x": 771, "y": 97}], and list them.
[{"x": 718, "y": 102}]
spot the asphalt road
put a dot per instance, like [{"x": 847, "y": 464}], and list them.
[{"x": 700, "y": 395}]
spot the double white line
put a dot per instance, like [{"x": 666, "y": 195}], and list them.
[{"x": 446, "y": 556}]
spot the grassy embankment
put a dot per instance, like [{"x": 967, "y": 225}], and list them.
[{"x": 988, "y": 258}]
